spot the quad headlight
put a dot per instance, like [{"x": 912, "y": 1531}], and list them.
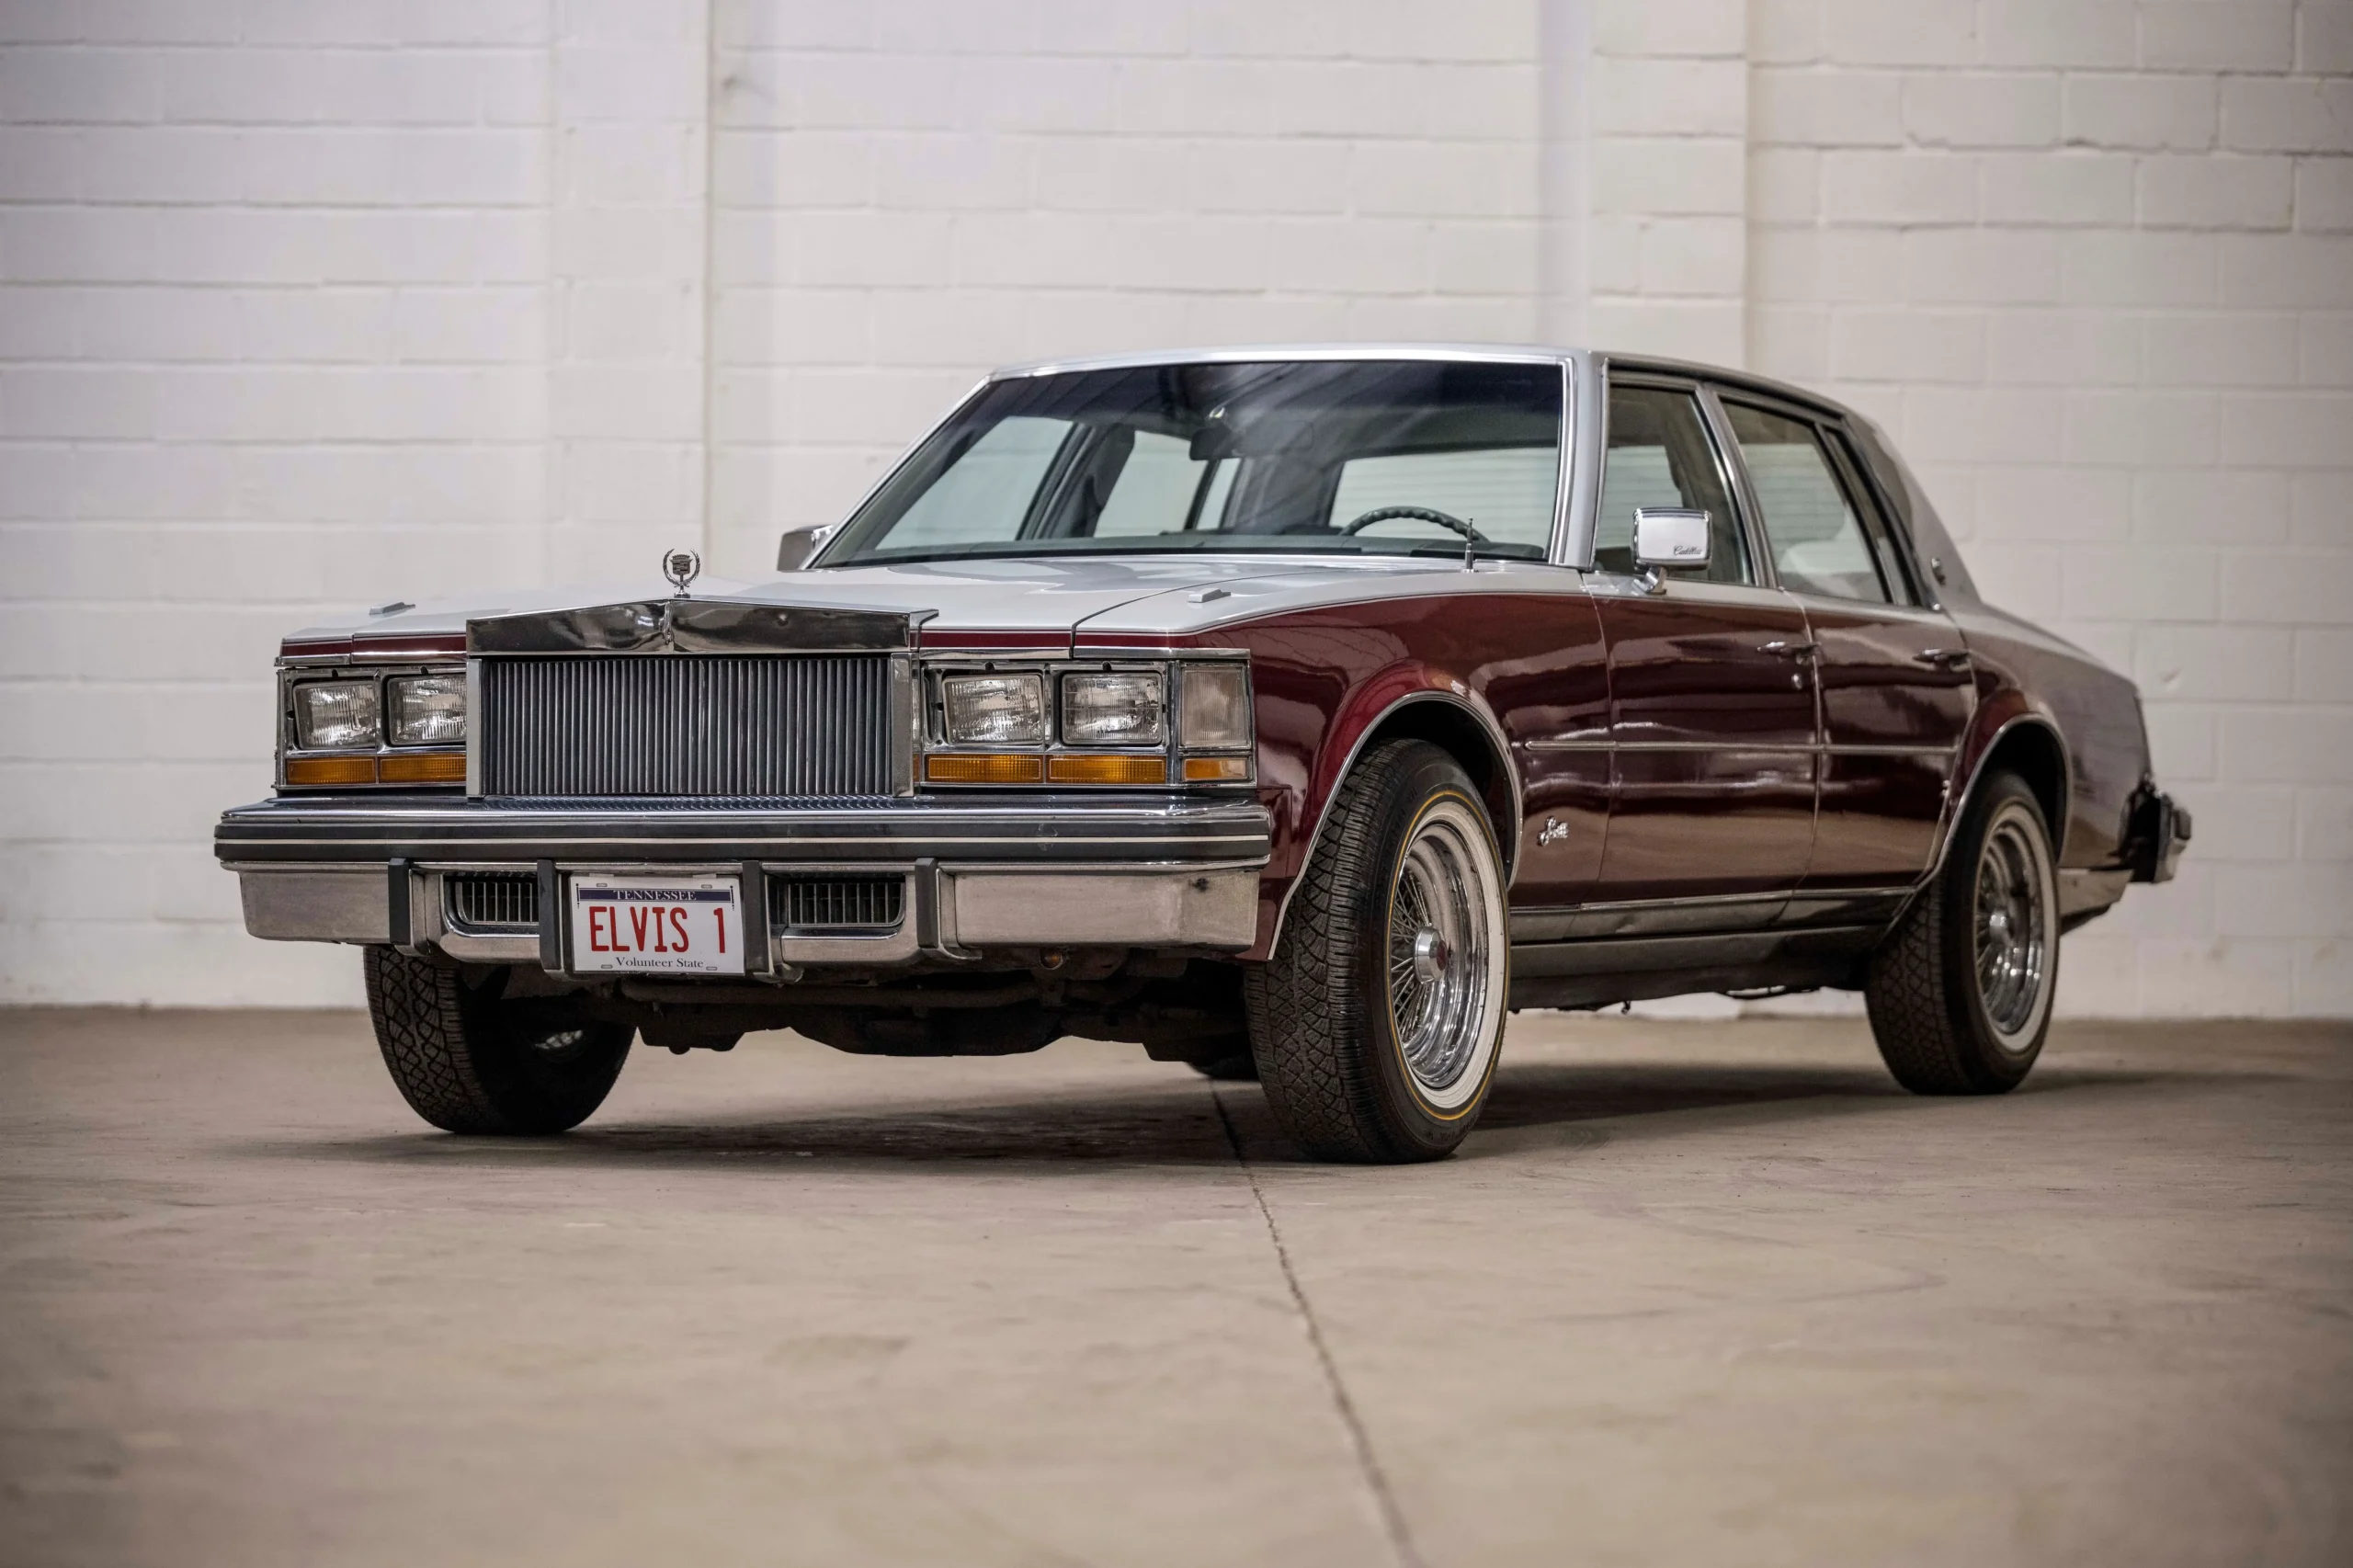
[
  {"x": 334, "y": 714},
  {"x": 993, "y": 710},
  {"x": 427, "y": 710},
  {"x": 1115, "y": 707}
]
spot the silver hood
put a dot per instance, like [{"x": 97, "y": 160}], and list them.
[{"x": 1052, "y": 597}]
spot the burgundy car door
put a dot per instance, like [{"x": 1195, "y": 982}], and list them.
[
  {"x": 1896, "y": 687},
  {"x": 1711, "y": 710}
]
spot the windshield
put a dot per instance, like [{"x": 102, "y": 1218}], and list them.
[{"x": 1404, "y": 457}]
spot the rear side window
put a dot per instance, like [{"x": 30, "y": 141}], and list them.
[
  {"x": 1819, "y": 542},
  {"x": 1660, "y": 456}
]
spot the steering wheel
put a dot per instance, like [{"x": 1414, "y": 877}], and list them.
[{"x": 1420, "y": 514}]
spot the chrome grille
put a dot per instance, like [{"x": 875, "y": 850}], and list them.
[
  {"x": 836, "y": 902},
  {"x": 479, "y": 901},
  {"x": 758, "y": 727}
]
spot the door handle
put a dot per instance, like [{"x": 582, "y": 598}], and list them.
[
  {"x": 1792, "y": 650},
  {"x": 1943, "y": 658}
]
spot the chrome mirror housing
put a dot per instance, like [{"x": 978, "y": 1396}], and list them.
[
  {"x": 1668, "y": 537},
  {"x": 800, "y": 546}
]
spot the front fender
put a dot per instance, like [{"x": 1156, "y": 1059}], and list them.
[{"x": 1407, "y": 698}]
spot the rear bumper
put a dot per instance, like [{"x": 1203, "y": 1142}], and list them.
[{"x": 1046, "y": 872}]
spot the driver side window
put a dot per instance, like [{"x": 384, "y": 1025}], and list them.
[{"x": 1660, "y": 456}]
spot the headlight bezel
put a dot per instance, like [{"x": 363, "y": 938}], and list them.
[
  {"x": 309, "y": 760},
  {"x": 1152, "y": 754}
]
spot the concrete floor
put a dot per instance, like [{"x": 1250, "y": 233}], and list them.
[{"x": 1695, "y": 1294}]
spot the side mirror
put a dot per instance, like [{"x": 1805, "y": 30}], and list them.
[
  {"x": 1668, "y": 537},
  {"x": 795, "y": 550}
]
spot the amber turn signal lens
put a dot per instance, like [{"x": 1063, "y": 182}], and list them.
[
  {"x": 425, "y": 768},
  {"x": 313, "y": 770},
  {"x": 984, "y": 768},
  {"x": 1108, "y": 770},
  {"x": 1216, "y": 769}
]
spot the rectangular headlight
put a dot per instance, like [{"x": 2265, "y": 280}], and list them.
[
  {"x": 331, "y": 714},
  {"x": 1117, "y": 708},
  {"x": 994, "y": 709},
  {"x": 1213, "y": 707},
  {"x": 428, "y": 710}
]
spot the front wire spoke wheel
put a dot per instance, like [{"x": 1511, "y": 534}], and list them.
[
  {"x": 1439, "y": 947},
  {"x": 1377, "y": 1022}
]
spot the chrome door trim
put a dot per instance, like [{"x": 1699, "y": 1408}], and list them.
[{"x": 1700, "y": 914}]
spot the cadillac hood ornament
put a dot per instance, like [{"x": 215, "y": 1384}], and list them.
[{"x": 681, "y": 566}]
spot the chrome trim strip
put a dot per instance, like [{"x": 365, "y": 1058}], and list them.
[
  {"x": 1564, "y": 470},
  {"x": 1245, "y": 354},
  {"x": 1585, "y": 501},
  {"x": 1652, "y": 916},
  {"x": 1771, "y": 748},
  {"x": 473, "y": 728},
  {"x": 1000, "y": 841}
]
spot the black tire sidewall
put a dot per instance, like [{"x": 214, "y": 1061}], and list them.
[{"x": 532, "y": 1090}]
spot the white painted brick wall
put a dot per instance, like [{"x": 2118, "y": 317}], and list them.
[
  {"x": 305, "y": 305},
  {"x": 900, "y": 206},
  {"x": 278, "y": 335},
  {"x": 2088, "y": 261}
]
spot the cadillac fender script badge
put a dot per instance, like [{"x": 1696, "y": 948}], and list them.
[{"x": 681, "y": 566}]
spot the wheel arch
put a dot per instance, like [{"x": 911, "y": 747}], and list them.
[
  {"x": 1457, "y": 725},
  {"x": 2029, "y": 746}
]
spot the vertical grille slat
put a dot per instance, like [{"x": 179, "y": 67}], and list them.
[
  {"x": 823, "y": 904},
  {"x": 492, "y": 900},
  {"x": 776, "y": 726}
]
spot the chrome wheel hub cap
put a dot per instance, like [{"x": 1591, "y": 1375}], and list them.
[
  {"x": 1429, "y": 955},
  {"x": 2013, "y": 929},
  {"x": 1440, "y": 953}
]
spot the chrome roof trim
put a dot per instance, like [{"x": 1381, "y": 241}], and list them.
[{"x": 1240, "y": 354}]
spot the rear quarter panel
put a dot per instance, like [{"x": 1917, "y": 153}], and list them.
[{"x": 2023, "y": 670}]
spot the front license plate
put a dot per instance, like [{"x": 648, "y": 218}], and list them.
[{"x": 658, "y": 924}]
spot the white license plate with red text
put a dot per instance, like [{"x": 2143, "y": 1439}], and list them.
[{"x": 658, "y": 924}]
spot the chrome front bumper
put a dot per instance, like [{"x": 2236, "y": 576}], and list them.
[{"x": 1049, "y": 872}]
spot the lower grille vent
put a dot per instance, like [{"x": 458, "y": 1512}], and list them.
[
  {"x": 836, "y": 903},
  {"x": 492, "y": 900}
]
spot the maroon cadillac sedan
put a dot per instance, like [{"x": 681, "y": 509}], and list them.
[{"x": 1296, "y": 713}]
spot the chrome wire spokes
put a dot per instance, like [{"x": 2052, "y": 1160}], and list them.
[
  {"x": 1439, "y": 953},
  {"x": 2012, "y": 927}
]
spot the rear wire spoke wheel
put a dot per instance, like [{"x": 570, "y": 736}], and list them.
[
  {"x": 469, "y": 1059},
  {"x": 1377, "y": 1023},
  {"x": 1959, "y": 994}
]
